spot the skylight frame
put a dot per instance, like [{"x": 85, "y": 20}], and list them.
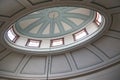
[
  {"x": 47, "y": 46},
  {"x": 53, "y": 42},
  {"x": 12, "y": 33},
  {"x": 75, "y": 35},
  {"x": 97, "y": 18},
  {"x": 29, "y": 44}
]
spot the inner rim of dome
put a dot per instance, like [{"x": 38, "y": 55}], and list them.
[{"x": 54, "y": 29}]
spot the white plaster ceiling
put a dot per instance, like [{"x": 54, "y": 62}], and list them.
[{"x": 71, "y": 65}]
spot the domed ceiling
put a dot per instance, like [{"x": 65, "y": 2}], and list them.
[
  {"x": 93, "y": 61},
  {"x": 54, "y": 22}
]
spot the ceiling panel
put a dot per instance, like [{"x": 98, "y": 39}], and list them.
[
  {"x": 8, "y": 8},
  {"x": 108, "y": 3},
  {"x": 34, "y": 2}
]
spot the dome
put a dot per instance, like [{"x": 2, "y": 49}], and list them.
[
  {"x": 54, "y": 22},
  {"x": 54, "y": 29}
]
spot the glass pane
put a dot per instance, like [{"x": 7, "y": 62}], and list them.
[
  {"x": 11, "y": 34},
  {"x": 34, "y": 43},
  {"x": 80, "y": 34},
  {"x": 57, "y": 42},
  {"x": 99, "y": 18}
]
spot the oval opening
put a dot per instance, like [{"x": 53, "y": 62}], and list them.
[{"x": 54, "y": 29}]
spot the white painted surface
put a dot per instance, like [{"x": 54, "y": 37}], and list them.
[{"x": 21, "y": 41}]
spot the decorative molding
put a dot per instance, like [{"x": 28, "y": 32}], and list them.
[
  {"x": 2, "y": 48},
  {"x": 71, "y": 0},
  {"x": 114, "y": 34},
  {"x": 104, "y": 6},
  {"x": 4, "y": 53},
  {"x": 4, "y": 19},
  {"x": 87, "y": 1},
  {"x": 112, "y": 37},
  {"x": 25, "y": 3},
  {"x": 39, "y": 2},
  {"x": 1, "y": 23},
  {"x": 114, "y": 11},
  {"x": 22, "y": 64},
  {"x": 68, "y": 63},
  {"x": 100, "y": 51},
  {"x": 1, "y": 51},
  {"x": 71, "y": 61},
  {"x": 48, "y": 66},
  {"x": 114, "y": 30}
]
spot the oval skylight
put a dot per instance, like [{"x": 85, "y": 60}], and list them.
[{"x": 54, "y": 29}]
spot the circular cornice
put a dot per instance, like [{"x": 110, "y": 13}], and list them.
[{"x": 86, "y": 22}]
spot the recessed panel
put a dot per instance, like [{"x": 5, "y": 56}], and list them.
[
  {"x": 1, "y": 23},
  {"x": 84, "y": 58},
  {"x": 108, "y": 3},
  {"x": 9, "y": 8},
  {"x": 60, "y": 64},
  {"x": 1, "y": 48},
  {"x": 10, "y": 62},
  {"x": 110, "y": 46},
  {"x": 36, "y": 65},
  {"x": 116, "y": 22}
]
